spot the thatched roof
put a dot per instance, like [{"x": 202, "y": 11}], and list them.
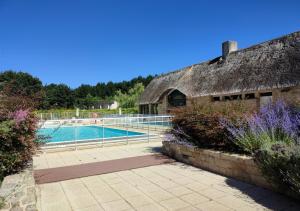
[{"x": 272, "y": 64}]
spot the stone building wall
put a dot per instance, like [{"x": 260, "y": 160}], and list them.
[
  {"x": 163, "y": 106},
  {"x": 291, "y": 94}
]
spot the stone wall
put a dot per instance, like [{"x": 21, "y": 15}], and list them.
[
  {"x": 18, "y": 192},
  {"x": 231, "y": 165},
  {"x": 290, "y": 94},
  {"x": 163, "y": 106}
]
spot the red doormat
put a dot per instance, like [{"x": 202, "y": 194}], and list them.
[{"x": 42, "y": 176}]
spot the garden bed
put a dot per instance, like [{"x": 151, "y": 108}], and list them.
[{"x": 230, "y": 165}]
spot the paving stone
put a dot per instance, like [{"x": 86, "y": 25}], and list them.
[
  {"x": 212, "y": 206},
  {"x": 179, "y": 191},
  {"x": 212, "y": 193},
  {"x": 188, "y": 209},
  {"x": 139, "y": 201},
  {"x": 108, "y": 196},
  {"x": 174, "y": 204},
  {"x": 194, "y": 198},
  {"x": 92, "y": 208},
  {"x": 160, "y": 195},
  {"x": 116, "y": 205},
  {"x": 151, "y": 207},
  {"x": 234, "y": 203},
  {"x": 56, "y": 206}
]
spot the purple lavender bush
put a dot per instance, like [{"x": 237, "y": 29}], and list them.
[
  {"x": 177, "y": 135},
  {"x": 272, "y": 136},
  {"x": 274, "y": 123}
]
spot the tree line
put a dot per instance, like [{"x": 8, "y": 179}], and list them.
[{"x": 55, "y": 96}]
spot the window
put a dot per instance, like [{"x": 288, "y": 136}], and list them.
[
  {"x": 266, "y": 94},
  {"x": 233, "y": 97},
  {"x": 236, "y": 97},
  {"x": 144, "y": 109},
  {"x": 216, "y": 99},
  {"x": 249, "y": 96},
  {"x": 226, "y": 97},
  {"x": 176, "y": 98}
]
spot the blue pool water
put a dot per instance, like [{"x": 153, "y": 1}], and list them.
[{"x": 82, "y": 133}]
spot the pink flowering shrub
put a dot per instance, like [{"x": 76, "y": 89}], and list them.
[{"x": 18, "y": 140}]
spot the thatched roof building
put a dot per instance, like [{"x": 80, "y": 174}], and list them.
[{"x": 270, "y": 65}]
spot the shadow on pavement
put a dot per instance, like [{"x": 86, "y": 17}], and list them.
[{"x": 267, "y": 198}]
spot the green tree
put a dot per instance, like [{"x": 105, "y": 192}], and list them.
[
  {"x": 110, "y": 89},
  {"x": 100, "y": 90},
  {"x": 21, "y": 84},
  {"x": 61, "y": 96},
  {"x": 84, "y": 90},
  {"x": 130, "y": 99},
  {"x": 58, "y": 96}
]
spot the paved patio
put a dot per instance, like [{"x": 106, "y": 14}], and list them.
[
  {"x": 173, "y": 186},
  {"x": 96, "y": 154}
]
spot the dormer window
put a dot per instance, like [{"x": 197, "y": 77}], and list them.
[{"x": 176, "y": 98}]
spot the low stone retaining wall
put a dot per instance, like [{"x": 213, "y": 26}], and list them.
[
  {"x": 231, "y": 165},
  {"x": 18, "y": 192}
]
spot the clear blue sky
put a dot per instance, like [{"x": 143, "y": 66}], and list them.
[{"x": 90, "y": 41}]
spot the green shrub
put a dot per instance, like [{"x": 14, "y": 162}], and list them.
[{"x": 280, "y": 164}]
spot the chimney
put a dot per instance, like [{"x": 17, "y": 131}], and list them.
[{"x": 228, "y": 47}]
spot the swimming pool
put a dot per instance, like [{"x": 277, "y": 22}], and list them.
[{"x": 66, "y": 134}]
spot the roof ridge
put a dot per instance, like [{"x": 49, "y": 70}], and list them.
[{"x": 238, "y": 51}]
